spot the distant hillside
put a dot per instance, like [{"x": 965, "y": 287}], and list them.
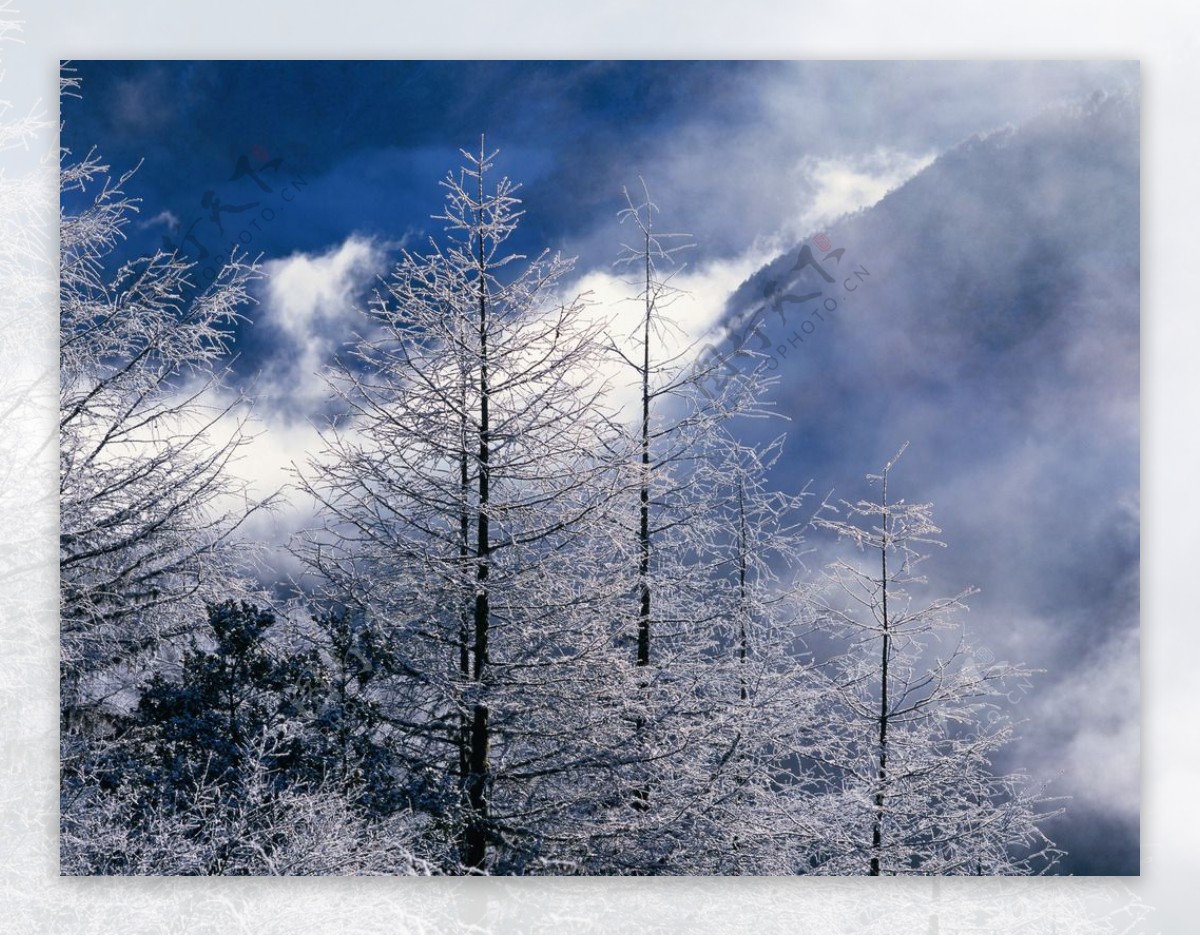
[{"x": 998, "y": 331}]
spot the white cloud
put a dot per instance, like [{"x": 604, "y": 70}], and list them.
[
  {"x": 696, "y": 311},
  {"x": 840, "y": 185},
  {"x": 263, "y": 468},
  {"x": 166, "y": 218},
  {"x": 1099, "y": 705},
  {"x": 312, "y": 304},
  {"x": 309, "y": 306}
]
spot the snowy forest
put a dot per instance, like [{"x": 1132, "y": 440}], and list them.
[{"x": 553, "y": 613}]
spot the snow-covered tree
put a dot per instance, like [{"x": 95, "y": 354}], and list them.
[
  {"x": 461, "y": 493},
  {"x": 252, "y": 758},
  {"x": 680, "y": 431},
  {"x": 914, "y": 717},
  {"x": 201, "y": 826},
  {"x": 147, "y": 503},
  {"x": 763, "y": 689},
  {"x": 709, "y": 714}
]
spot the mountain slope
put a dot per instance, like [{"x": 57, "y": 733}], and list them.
[{"x": 997, "y": 328}]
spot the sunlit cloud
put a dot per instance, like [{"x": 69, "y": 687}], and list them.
[
  {"x": 844, "y": 185},
  {"x": 311, "y": 305}
]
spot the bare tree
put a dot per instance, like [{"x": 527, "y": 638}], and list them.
[
  {"x": 459, "y": 491},
  {"x": 681, "y": 425},
  {"x": 914, "y": 717},
  {"x": 705, "y": 709},
  {"x": 147, "y": 435}
]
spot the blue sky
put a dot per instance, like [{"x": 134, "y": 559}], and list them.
[
  {"x": 379, "y": 135},
  {"x": 1001, "y": 336}
]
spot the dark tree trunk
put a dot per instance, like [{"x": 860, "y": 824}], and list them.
[
  {"x": 877, "y": 831},
  {"x": 643, "y": 638},
  {"x": 475, "y": 846},
  {"x": 475, "y": 843},
  {"x": 744, "y": 643},
  {"x": 464, "y": 558}
]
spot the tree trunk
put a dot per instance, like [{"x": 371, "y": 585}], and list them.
[
  {"x": 877, "y": 832},
  {"x": 475, "y": 843},
  {"x": 476, "y": 839},
  {"x": 464, "y": 554},
  {"x": 643, "y": 640},
  {"x": 744, "y": 644}
]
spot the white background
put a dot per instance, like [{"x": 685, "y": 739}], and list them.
[{"x": 1163, "y": 36}]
